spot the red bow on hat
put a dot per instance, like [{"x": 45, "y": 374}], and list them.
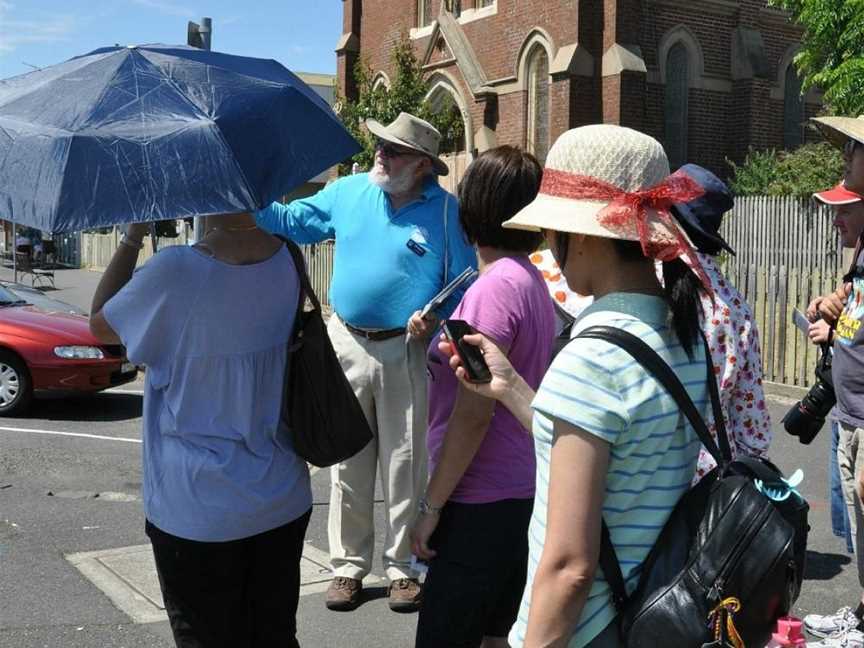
[{"x": 627, "y": 212}]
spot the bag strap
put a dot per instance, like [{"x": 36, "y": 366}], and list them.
[
  {"x": 446, "y": 238},
  {"x": 305, "y": 289},
  {"x": 657, "y": 367},
  {"x": 717, "y": 409}
]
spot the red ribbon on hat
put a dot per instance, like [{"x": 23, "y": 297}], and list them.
[{"x": 628, "y": 211}]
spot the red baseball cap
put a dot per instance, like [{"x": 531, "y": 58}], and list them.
[{"x": 839, "y": 195}]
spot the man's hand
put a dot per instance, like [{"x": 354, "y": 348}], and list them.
[
  {"x": 860, "y": 487},
  {"x": 819, "y": 332},
  {"x": 812, "y": 312},
  {"x": 421, "y": 327},
  {"x": 832, "y": 305}
]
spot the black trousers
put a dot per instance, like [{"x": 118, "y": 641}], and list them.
[
  {"x": 237, "y": 594},
  {"x": 474, "y": 585}
]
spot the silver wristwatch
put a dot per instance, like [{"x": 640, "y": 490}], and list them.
[
  {"x": 427, "y": 509},
  {"x": 132, "y": 243}
]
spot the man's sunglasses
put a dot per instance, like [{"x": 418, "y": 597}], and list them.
[
  {"x": 392, "y": 151},
  {"x": 851, "y": 145}
]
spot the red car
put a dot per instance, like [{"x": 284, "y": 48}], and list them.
[{"x": 43, "y": 351}]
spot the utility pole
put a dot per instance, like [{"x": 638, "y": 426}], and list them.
[{"x": 199, "y": 36}]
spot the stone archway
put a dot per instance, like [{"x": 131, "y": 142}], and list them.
[{"x": 456, "y": 152}]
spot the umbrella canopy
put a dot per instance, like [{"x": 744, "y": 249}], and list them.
[{"x": 152, "y": 132}]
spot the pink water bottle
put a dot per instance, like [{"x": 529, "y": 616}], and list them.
[{"x": 788, "y": 634}]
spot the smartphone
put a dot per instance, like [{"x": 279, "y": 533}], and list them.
[{"x": 471, "y": 356}]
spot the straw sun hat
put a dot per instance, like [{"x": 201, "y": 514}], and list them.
[
  {"x": 838, "y": 130},
  {"x": 605, "y": 181},
  {"x": 414, "y": 133}
]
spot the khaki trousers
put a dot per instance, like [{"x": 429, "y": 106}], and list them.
[
  {"x": 389, "y": 379},
  {"x": 850, "y": 456}
]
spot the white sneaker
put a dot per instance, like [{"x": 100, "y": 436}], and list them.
[
  {"x": 824, "y": 625},
  {"x": 840, "y": 639}
]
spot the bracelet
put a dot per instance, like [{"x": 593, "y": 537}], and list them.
[
  {"x": 427, "y": 509},
  {"x": 128, "y": 242}
]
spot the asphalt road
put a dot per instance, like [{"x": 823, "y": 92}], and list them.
[{"x": 49, "y": 476}]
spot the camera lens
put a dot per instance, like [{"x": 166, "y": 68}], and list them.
[{"x": 806, "y": 418}]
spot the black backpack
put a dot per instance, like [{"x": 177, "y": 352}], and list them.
[{"x": 730, "y": 560}]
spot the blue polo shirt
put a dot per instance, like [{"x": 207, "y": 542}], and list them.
[{"x": 388, "y": 263}]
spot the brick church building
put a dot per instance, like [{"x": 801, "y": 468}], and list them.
[{"x": 708, "y": 78}]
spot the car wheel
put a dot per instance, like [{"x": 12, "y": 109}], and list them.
[{"x": 16, "y": 388}]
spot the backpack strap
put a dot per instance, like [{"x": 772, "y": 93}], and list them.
[{"x": 657, "y": 367}]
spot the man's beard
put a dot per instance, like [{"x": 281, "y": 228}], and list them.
[{"x": 394, "y": 184}]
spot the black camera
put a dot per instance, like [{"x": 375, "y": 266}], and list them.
[
  {"x": 167, "y": 229},
  {"x": 806, "y": 418}
]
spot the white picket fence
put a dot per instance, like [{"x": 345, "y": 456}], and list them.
[
  {"x": 787, "y": 253},
  {"x": 97, "y": 250}
]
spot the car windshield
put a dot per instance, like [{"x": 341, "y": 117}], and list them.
[{"x": 8, "y": 298}]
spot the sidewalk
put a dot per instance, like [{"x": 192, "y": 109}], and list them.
[{"x": 75, "y": 287}]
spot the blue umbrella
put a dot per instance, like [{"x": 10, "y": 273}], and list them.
[{"x": 136, "y": 134}]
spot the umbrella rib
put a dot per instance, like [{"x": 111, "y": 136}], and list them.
[
  {"x": 164, "y": 80},
  {"x": 48, "y": 79}
]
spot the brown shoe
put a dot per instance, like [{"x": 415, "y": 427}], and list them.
[
  {"x": 344, "y": 593},
  {"x": 405, "y": 595}
]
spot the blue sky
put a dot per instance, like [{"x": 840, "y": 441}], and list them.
[{"x": 299, "y": 34}]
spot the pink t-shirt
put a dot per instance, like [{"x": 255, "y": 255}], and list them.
[{"x": 509, "y": 303}]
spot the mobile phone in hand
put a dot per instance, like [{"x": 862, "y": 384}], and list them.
[{"x": 471, "y": 356}]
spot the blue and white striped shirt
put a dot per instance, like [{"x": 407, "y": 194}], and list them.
[{"x": 600, "y": 388}]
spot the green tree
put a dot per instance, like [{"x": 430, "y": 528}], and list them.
[
  {"x": 406, "y": 94},
  {"x": 802, "y": 172},
  {"x": 832, "y": 53}
]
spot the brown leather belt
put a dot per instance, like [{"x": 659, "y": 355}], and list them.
[{"x": 374, "y": 336}]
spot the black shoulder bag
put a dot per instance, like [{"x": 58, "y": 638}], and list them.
[
  {"x": 730, "y": 560},
  {"x": 318, "y": 404}
]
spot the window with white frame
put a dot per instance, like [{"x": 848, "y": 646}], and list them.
[
  {"x": 538, "y": 103},
  {"x": 676, "y": 104},
  {"x": 484, "y": 3},
  {"x": 793, "y": 110},
  {"x": 424, "y": 13}
]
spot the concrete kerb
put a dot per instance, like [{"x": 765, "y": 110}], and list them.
[
  {"x": 782, "y": 393},
  {"x": 127, "y": 576}
]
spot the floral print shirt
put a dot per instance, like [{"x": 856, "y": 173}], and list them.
[
  {"x": 570, "y": 302},
  {"x": 734, "y": 342}
]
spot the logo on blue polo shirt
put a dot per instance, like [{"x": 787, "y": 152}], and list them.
[{"x": 416, "y": 242}]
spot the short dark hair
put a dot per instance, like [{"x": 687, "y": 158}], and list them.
[{"x": 496, "y": 185}]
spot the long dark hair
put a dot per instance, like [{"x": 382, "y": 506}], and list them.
[{"x": 681, "y": 288}]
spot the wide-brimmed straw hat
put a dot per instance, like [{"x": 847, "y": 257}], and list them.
[
  {"x": 612, "y": 156},
  {"x": 414, "y": 133},
  {"x": 838, "y": 130}
]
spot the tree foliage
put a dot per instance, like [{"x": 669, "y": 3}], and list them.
[
  {"x": 800, "y": 173},
  {"x": 406, "y": 93},
  {"x": 832, "y": 53}
]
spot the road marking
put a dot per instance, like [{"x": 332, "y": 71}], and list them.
[
  {"x": 133, "y": 392},
  {"x": 312, "y": 469},
  {"x": 70, "y": 434}
]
